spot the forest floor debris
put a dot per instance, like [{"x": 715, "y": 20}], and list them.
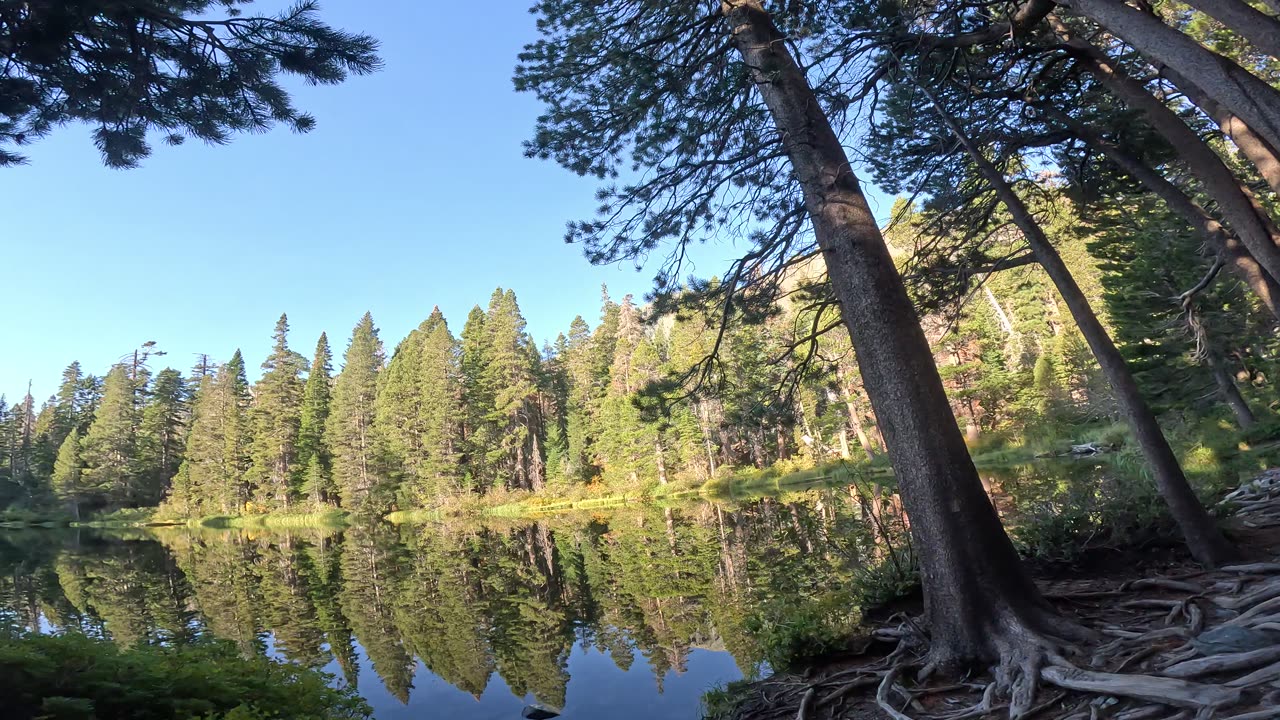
[{"x": 1183, "y": 643}]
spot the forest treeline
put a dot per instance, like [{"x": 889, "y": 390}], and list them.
[{"x": 446, "y": 416}]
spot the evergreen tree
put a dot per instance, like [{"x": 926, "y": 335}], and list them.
[
  {"x": 349, "y": 430},
  {"x": 70, "y": 413},
  {"x": 418, "y": 409},
  {"x": 66, "y": 481},
  {"x": 478, "y": 433},
  {"x": 162, "y": 435},
  {"x": 313, "y": 454},
  {"x": 110, "y": 447},
  {"x": 166, "y": 66},
  {"x": 510, "y": 372},
  {"x": 232, "y": 394},
  {"x": 277, "y": 406},
  {"x": 212, "y": 477}
]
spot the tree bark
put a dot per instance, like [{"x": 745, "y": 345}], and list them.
[
  {"x": 1239, "y": 91},
  {"x": 1263, "y": 156},
  {"x": 1206, "y": 542},
  {"x": 1224, "y": 244},
  {"x": 979, "y": 602},
  {"x": 1242, "y": 213},
  {"x": 1240, "y": 17}
]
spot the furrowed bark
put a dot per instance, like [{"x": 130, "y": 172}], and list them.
[
  {"x": 1239, "y": 91},
  {"x": 1206, "y": 542},
  {"x": 1215, "y": 236},
  {"x": 1240, "y": 211},
  {"x": 977, "y": 594}
]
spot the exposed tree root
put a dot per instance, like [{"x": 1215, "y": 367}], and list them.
[{"x": 1198, "y": 645}]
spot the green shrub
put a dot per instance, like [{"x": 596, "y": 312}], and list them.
[
  {"x": 788, "y": 635},
  {"x": 72, "y": 676}
]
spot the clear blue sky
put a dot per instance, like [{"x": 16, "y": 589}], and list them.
[{"x": 411, "y": 192}]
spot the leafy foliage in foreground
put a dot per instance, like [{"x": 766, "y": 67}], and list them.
[{"x": 73, "y": 676}]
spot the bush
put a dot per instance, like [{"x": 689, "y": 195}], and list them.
[
  {"x": 789, "y": 635},
  {"x": 71, "y": 676}
]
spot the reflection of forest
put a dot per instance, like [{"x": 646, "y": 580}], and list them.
[{"x": 467, "y": 600}]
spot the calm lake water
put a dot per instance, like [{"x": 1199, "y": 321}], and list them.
[{"x": 631, "y": 613}]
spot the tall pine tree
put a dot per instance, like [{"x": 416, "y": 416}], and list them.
[
  {"x": 111, "y": 444},
  {"x": 277, "y": 405},
  {"x": 418, "y": 411},
  {"x": 313, "y": 453},
  {"x": 349, "y": 430}
]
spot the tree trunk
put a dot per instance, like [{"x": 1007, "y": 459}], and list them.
[
  {"x": 1005, "y": 323},
  {"x": 1206, "y": 542},
  {"x": 855, "y": 417},
  {"x": 1229, "y": 391},
  {"x": 1224, "y": 244},
  {"x": 1253, "y": 25},
  {"x": 980, "y": 604},
  {"x": 1263, "y": 156},
  {"x": 1242, "y": 213},
  {"x": 661, "y": 460},
  {"x": 1239, "y": 91}
]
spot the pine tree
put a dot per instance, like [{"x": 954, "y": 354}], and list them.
[
  {"x": 211, "y": 479},
  {"x": 70, "y": 411},
  {"x": 418, "y": 409},
  {"x": 111, "y": 444},
  {"x": 349, "y": 430},
  {"x": 232, "y": 394},
  {"x": 163, "y": 434},
  {"x": 478, "y": 433},
  {"x": 276, "y": 416},
  {"x": 141, "y": 66},
  {"x": 511, "y": 371},
  {"x": 66, "y": 481},
  {"x": 313, "y": 454}
]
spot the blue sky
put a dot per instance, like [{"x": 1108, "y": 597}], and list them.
[{"x": 411, "y": 192}]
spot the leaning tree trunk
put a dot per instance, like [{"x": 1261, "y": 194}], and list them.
[
  {"x": 1229, "y": 391},
  {"x": 1238, "y": 90},
  {"x": 1226, "y": 245},
  {"x": 1242, "y": 213},
  {"x": 1263, "y": 156},
  {"x": 979, "y": 602},
  {"x": 1240, "y": 17},
  {"x": 1206, "y": 542}
]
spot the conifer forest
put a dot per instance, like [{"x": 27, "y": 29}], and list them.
[{"x": 980, "y": 419}]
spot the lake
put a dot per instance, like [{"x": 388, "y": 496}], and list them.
[{"x": 629, "y": 613}]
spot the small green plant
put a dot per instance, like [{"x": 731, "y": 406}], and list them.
[{"x": 719, "y": 703}]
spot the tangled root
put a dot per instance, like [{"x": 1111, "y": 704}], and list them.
[{"x": 1198, "y": 646}]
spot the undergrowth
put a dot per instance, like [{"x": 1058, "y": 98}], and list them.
[{"x": 73, "y": 677}]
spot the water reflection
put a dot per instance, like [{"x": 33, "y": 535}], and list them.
[{"x": 630, "y": 614}]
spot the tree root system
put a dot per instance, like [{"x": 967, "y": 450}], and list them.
[{"x": 1185, "y": 645}]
